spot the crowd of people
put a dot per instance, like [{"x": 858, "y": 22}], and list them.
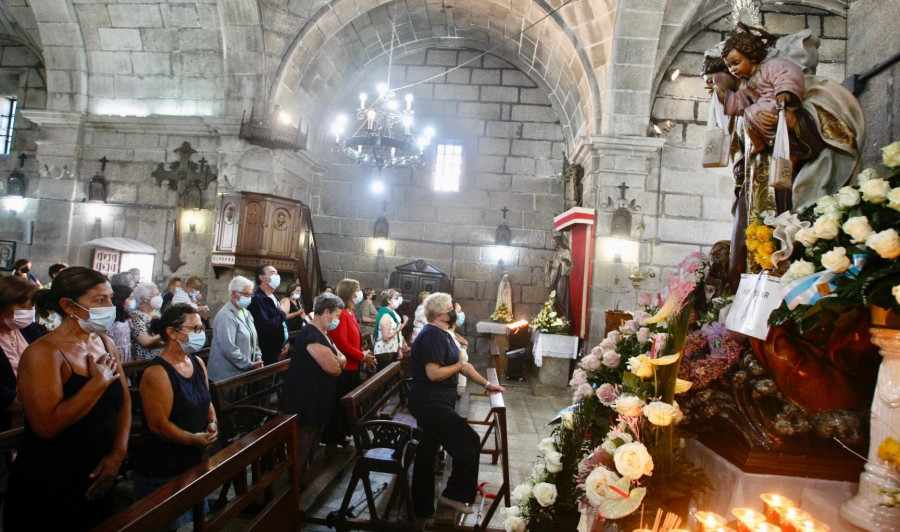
[{"x": 63, "y": 346}]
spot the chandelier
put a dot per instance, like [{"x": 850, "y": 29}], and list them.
[{"x": 382, "y": 137}]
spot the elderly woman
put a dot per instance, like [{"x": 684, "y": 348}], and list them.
[
  {"x": 388, "y": 338},
  {"x": 179, "y": 419},
  {"x": 77, "y": 410},
  {"x": 311, "y": 381},
  {"x": 436, "y": 366},
  {"x": 235, "y": 347},
  {"x": 366, "y": 312},
  {"x": 144, "y": 344},
  {"x": 120, "y": 330},
  {"x": 17, "y": 331}
]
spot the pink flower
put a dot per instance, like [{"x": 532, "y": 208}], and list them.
[
  {"x": 590, "y": 362},
  {"x": 597, "y": 351},
  {"x": 643, "y": 335},
  {"x": 579, "y": 377},
  {"x": 644, "y": 299},
  {"x": 629, "y": 327},
  {"x": 607, "y": 345},
  {"x": 640, "y": 316},
  {"x": 607, "y": 394},
  {"x": 585, "y": 390},
  {"x": 614, "y": 336},
  {"x": 611, "y": 359}
]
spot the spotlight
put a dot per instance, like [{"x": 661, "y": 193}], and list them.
[
  {"x": 285, "y": 118},
  {"x": 673, "y": 74},
  {"x": 377, "y": 187}
]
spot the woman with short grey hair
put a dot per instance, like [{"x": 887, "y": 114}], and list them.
[
  {"x": 235, "y": 345},
  {"x": 145, "y": 345}
]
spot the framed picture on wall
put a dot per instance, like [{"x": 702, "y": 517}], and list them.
[{"x": 7, "y": 254}]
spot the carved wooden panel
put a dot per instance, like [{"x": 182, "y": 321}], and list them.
[
  {"x": 280, "y": 229},
  {"x": 228, "y": 224},
  {"x": 106, "y": 261},
  {"x": 251, "y": 233}
]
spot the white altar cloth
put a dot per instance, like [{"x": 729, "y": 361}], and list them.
[
  {"x": 491, "y": 327},
  {"x": 554, "y": 346},
  {"x": 732, "y": 488}
]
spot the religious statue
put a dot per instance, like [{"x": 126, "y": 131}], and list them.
[
  {"x": 504, "y": 294},
  {"x": 760, "y": 75},
  {"x": 558, "y": 271},
  {"x": 573, "y": 176}
]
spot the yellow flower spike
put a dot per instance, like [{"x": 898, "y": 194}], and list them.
[
  {"x": 664, "y": 312},
  {"x": 889, "y": 451},
  {"x": 682, "y": 386},
  {"x": 666, "y": 360}
]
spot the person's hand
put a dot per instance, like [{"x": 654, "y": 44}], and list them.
[
  {"x": 342, "y": 360},
  {"x": 404, "y": 322},
  {"x": 213, "y": 428},
  {"x": 257, "y": 364},
  {"x": 105, "y": 370},
  {"x": 104, "y": 475},
  {"x": 199, "y": 298},
  {"x": 494, "y": 388},
  {"x": 202, "y": 440},
  {"x": 284, "y": 351}
]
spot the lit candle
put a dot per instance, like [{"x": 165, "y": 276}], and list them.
[
  {"x": 789, "y": 515},
  {"x": 747, "y": 517},
  {"x": 642, "y": 530},
  {"x": 765, "y": 527},
  {"x": 810, "y": 525},
  {"x": 709, "y": 521},
  {"x": 771, "y": 503}
]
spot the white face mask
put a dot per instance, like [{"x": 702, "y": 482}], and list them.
[
  {"x": 275, "y": 281},
  {"x": 295, "y": 296},
  {"x": 156, "y": 302},
  {"x": 20, "y": 319},
  {"x": 101, "y": 319},
  {"x": 357, "y": 297}
]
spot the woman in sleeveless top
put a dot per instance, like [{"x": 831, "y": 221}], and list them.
[
  {"x": 388, "y": 338},
  {"x": 292, "y": 305},
  {"x": 78, "y": 413},
  {"x": 179, "y": 419}
]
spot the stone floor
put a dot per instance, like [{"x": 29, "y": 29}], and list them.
[{"x": 527, "y": 417}]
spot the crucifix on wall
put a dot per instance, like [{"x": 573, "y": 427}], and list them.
[{"x": 189, "y": 179}]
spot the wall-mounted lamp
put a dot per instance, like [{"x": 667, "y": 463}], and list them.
[
  {"x": 191, "y": 217},
  {"x": 15, "y": 183},
  {"x": 673, "y": 74},
  {"x": 15, "y": 204},
  {"x": 618, "y": 249},
  {"x": 657, "y": 129}
]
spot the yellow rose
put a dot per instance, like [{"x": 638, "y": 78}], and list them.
[
  {"x": 889, "y": 451},
  {"x": 891, "y": 155}
]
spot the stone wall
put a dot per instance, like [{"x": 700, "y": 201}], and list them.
[
  {"x": 872, "y": 39},
  {"x": 512, "y": 148}
]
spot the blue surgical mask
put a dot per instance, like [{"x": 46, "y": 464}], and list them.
[
  {"x": 179, "y": 290},
  {"x": 131, "y": 306},
  {"x": 275, "y": 281},
  {"x": 195, "y": 293},
  {"x": 100, "y": 320},
  {"x": 333, "y": 325},
  {"x": 244, "y": 301},
  {"x": 460, "y": 319},
  {"x": 196, "y": 341},
  {"x": 357, "y": 297}
]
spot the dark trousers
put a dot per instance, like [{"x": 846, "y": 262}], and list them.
[
  {"x": 443, "y": 427},
  {"x": 308, "y": 437},
  {"x": 338, "y": 428}
]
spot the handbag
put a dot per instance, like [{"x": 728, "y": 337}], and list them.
[
  {"x": 717, "y": 146},
  {"x": 781, "y": 171},
  {"x": 756, "y": 297}
]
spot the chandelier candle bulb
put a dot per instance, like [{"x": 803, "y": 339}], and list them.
[
  {"x": 409, "y": 100},
  {"x": 362, "y": 100},
  {"x": 810, "y": 525},
  {"x": 709, "y": 521},
  {"x": 789, "y": 515},
  {"x": 772, "y": 502},
  {"x": 747, "y": 518}
]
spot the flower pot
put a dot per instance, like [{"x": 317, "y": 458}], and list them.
[{"x": 885, "y": 318}]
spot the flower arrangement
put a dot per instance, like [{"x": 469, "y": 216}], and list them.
[
  {"x": 709, "y": 353},
  {"x": 851, "y": 248},
  {"x": 547, "y": 320},
  {"x": 616, "y": 449},
  {"x": 760, "y": 244},
  {"x": 502, "y": 314}
]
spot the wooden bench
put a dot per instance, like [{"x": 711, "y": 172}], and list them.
[
  {"x": 247, "y": 401},
  {"x": 269, "y": 452},
  {"x": 385, "y": 444}
]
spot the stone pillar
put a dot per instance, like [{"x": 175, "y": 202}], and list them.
[{"x": 610, "y": 161}]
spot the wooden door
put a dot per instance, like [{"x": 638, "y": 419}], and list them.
[
  {"x": 281, "y": 226},
  {"x": 228, "y": 223},
  {"x": 250, "y": 235}
]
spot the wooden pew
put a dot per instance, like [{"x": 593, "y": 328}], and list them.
[
  {"x": 385, "y": 443},
  {"x": 246, "y": 401},
  {"x": 269, "y": 452}
]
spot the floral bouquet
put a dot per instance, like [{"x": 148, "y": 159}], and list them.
[
  {"x": 709, "y": 353},
  {"x": 502, "y": 314},
  {"x": 851, "y": 249},
  {"x": 547, "y": 320},
  {"x": 760, "y": 245}
]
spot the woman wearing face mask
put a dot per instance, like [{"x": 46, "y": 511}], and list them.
[
  {"x": 22, "y": 268},
  {"x": 145, "y": 344},
  {"x": 179, "y": 419},
  {"x": 191, "y": 295},
  {"x": 366, "y": 312},
  {"x": 292, "y": 305},
  {"x": 78, "y": 413},
  {"x": 461, "y": 343},
  {"x": 311, "y": 381},
  {"x": 235, "y": 346},
  {"x": 346, "y": 338},
  {"x": 17, "y": 331},
  {"x": 120, "y": 330},
  {"x": 388, "y": 338}
]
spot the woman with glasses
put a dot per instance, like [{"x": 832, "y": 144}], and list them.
[
  {"x": 235, "y": 346},
  {"x": 179, "y": 418}
]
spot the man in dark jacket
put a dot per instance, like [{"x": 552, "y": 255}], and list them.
[{"x": 269, "y": 318}]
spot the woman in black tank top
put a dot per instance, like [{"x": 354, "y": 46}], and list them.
[
  {"x": 179, "y": 419},
  {"x": 78, "y": 413}
]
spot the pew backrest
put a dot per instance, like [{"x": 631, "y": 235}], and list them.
[{"x": 246, "y": 401}]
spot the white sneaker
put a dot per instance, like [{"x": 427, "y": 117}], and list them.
[{"x": 460, "y": 507}]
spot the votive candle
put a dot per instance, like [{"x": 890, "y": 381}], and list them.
[
  {"x": 747, "y": 517},
  {"x": 709, "y": 521},
  {"x": 771, "y": 503},
  {"x": 810, "y": 525},
  {"x": 789, "y": 515},
  {"x": 642, "y": 530},
  {"x": 765, "y": 527}
]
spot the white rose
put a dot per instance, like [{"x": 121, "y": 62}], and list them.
[
  {"x": 806, "y": 236},
  {"x": 514, "y": 523},
  {"x": 797, "y": 270},
  {"x": 836, "y": 260},
  {"x": 659, "y": 413},
  {"x": 894, "y": 199},
  {"x": 885, "y": 243},
  {"x": 547, "y": 445},
  {"x": 858, "y": 227},
  {"x": 826, "y": 228},
  {"x": 641, "y": 366},
  {"x": 545, "y": 493},
  {"x": 628, "y": 405},
  {"x": 866, "y": 175},
  {"x": 597, "y": 483},
  {"x": 890, "y": 155},
  {"x": 568, "y": 420},
  {"x": 510, "y": 511},
  {"x": 826, "y": 205},
  {"x": 643, "y": 335},
  {"x": 875, "y": 190},
  {"x": 847, "y": 197},
  {"x": 590, "y": 363},
  {"x": 896, "y": 292},
  {"x": 554, "y": 461},
  {"x": 579, "y": 377},
  {"x": 521, "y": 494},
  {"x": 632, "y": 460}
]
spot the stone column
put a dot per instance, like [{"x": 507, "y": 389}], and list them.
[{"x": 610, "y": 161}]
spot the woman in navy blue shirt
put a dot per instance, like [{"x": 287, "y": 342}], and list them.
[{"x": 436, "y": 367}]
